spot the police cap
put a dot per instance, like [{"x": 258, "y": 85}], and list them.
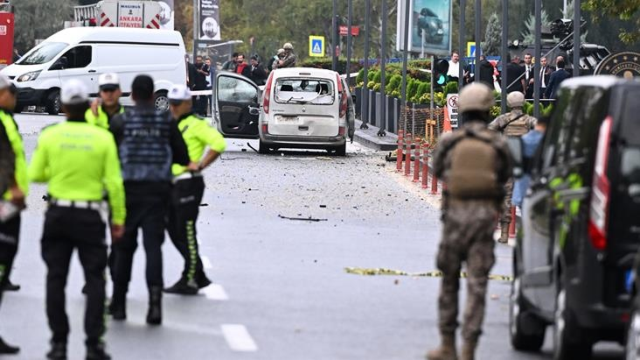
[
  {"x": 475, "y": 97},
  {"x": 109, "y": 81},
  {"x": 74, "y": 92}
]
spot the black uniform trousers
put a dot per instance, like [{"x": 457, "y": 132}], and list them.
[
  {"x": 9, "y": 238},
  {"x": 183, "y": 215},
  {"x": 147, "y": 204},
  {"x": 66, "y": 229}
]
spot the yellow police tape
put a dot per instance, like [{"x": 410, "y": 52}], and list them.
[{"x": 381, "y": 271}]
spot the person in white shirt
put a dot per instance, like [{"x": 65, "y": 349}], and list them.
[{"x": 454, "y": 67}]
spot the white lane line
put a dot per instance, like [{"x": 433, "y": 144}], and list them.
[
  {"x": 206, "y": 262},
  {"x": 215, "y": 292},
  {"x": 238, "y": 338}
]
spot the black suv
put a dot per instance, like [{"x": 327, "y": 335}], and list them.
[{"x": 580, "y": 221}]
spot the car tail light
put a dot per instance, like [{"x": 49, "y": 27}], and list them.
[
  {"x": 267, "y": 95},
  {"x": 343, "y": 98},
  {"x": 265, "y": 128},
  {"x": 600, "y": 191},
  {"x": 342, "y": 130}
]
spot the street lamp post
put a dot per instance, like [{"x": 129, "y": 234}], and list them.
[
  {"x": 538, "y": 55},
  {"x": 365, "y": 90},
  {"x": 577, "y": 26},
  {"x": 349, "y": 39},
  {"x": 478, "y": 36},
  {"x": 334, "y": 35},
  {"x": 383, "y": 62},
  {"x": 405, "y": 53},
  {"x": 504, "y": 55},
  {"x": 462, "y": 37}
]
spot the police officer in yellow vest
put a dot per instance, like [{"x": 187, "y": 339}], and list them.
[
  {"x": 188, "y": 189},
  {"x": 78, "y": 161},
  {"x": 14, "y": 196},
  {"x": 103, "y": 110},
  {"x": 514, "y": 123}
]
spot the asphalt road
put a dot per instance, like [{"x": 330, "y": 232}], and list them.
[{"x": 281, "y": 290}]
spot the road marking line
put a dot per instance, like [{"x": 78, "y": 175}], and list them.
[
  {"x": 238, "y": 338},
  {"x": 206, "y": 262},
  {"x": 215, "y": 292}
]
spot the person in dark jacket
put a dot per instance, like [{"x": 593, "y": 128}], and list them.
[
  {"x": 556, "y": 79},
  {"x": 191, "y": 73},
  {"x": 257, "y": 73},
  {"x": 486, "y": 71},
  {"x": 242, "y": 68},
  {"x": 149, "y": 142},
  {"x": 515, "y": 75}
]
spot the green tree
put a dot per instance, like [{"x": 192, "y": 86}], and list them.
[
  {"x": 493, "y": 36},
  {"x": 529, "y": 35},
  {"x": 36, "y": 19},
  {"x": 627, "y": 11}
]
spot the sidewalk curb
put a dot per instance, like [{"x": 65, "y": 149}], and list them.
[{"x": 370, "y": 139}]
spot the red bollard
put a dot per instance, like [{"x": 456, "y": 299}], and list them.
[
  {"x": 434, "y": 184},
  {"x": 416, "y": 163},
  {"x": 399, "y": 152},
  {"x": 512, "y": 226},
  {"x": 407, "y": 153},
  {"x": 425, "y": 165}
]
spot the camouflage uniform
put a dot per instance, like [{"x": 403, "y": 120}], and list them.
[
  {"x": 289, "y": 61},
  {"x": 467, "y": 237},
  {"x": 506, "y": 125}
]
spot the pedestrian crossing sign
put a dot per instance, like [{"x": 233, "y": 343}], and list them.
[
  {"x": 471, "y": 49},
  {"x": 316, "y": 46}
]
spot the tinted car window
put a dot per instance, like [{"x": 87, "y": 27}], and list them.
[
  {"x": 630, "y": 130},
  {"x": 554, "y": 147},
  {"x": 588, "y": 116},
  {"x": 76, "y": 58}
]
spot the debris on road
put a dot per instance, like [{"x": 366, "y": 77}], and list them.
[
  {"x": 437, "y": 273},
  {"x": 252, "y": 148},
  {"x": 301, "y": 218}
]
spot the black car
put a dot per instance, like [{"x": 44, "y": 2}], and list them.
[
  {"x": 432, "y": 26},
  {"x": 580, "y": 221}
]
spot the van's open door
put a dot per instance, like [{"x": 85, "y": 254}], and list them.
[{"x": 236, "y": 109}]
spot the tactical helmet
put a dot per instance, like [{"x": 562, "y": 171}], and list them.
[
  {"x": 515, "y": 99},
  {"x": 288, "y": 46},
  {"x": 280, "y": 51},
  {"x": 475, "y": 97}
]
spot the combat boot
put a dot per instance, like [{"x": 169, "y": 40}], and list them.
[
  {"x": 97, "y": 352},
  {"x": 468, "y": 350},
  {"x": 118, "y": 306},
  {"x": 154, "y": 316},
  {"x": 58, "y": 351},
  {"x": 183, "y": 287},
  {"x": 504, "y": 233},
  {"x": 446, "y": 351}
]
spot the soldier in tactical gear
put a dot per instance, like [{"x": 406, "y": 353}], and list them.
[
  {"x": 514, "y": 123},
  {"x": 289, "y": 59},
  {"x": 474, "y": 163}
]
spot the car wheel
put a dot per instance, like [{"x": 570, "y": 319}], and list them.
[
  {"x": 569, "y": 342},
  {"x": 525, "y": 330},
  {"x": 52, "y": 104},
  {"x": 264, "y": 149},
  {"x": 632, "y": 350},
  {"x": 162, "y": 101},
  {"x": 339, "y": 151}
]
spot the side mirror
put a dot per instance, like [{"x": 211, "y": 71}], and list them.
[
  {"x": 515, "y": 146},
  {"x": 60, "y": 64}
]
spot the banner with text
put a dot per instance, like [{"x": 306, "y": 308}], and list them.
[
  {"x": 130, "y": 14},
  {"x": 209, "y": 20}
]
